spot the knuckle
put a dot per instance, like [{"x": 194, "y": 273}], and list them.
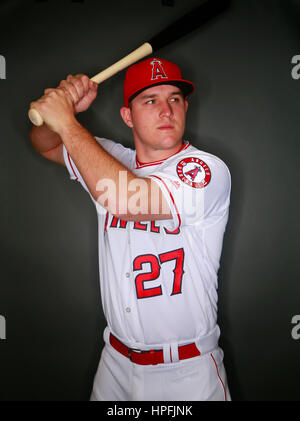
[
  {"x": 73, "y": 90},
  {"x": 39, "y": 106},
  {"x": 86, "y": 80},
  {"x": 78, "y": 83}
]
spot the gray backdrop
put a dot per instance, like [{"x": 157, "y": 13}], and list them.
[{"x": 245, "y": 110}]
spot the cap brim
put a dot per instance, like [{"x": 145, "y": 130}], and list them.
[{"x": 185, "y": 86}]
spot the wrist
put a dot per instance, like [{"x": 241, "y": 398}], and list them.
[{"x": 68, "y": 128}]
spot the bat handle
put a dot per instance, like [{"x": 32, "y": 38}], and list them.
[{"x": 141, "y": 52}]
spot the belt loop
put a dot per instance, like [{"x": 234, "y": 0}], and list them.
[
  {"x": 167, "y": 353},
  {"x": 174, "y": 353},
  {"x": 106, "y": 335}
]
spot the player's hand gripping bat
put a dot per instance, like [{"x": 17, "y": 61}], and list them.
[{"x": 197, "y": 17}]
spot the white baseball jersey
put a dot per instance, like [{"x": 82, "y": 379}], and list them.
[{"x": 159, "y": 279}]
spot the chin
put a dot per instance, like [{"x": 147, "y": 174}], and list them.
[{"x": 170, "y": 142}]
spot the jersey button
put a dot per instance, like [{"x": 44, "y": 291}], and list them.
[
  {"x": 127, "y": 275},
  {"x": 128, "y": 309}
]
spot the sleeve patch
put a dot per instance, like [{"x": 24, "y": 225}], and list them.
[{"x": 194, "y": 172}]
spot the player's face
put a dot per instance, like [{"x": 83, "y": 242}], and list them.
[{"x": 157, "y": 117}]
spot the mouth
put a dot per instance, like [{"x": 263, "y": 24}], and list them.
[{"x": 166, "y": 127}]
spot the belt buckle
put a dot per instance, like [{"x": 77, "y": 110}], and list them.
[
  {"x": 138, "y": 351},
  {"x": 152, "y": 352}
]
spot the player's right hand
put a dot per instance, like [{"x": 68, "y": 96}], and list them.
[{"x": 80, "y": 89}]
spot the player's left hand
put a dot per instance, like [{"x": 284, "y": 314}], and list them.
[{"x": 56, "y": 109}]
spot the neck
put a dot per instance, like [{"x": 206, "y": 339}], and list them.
[{"x": 150, "y": 154}]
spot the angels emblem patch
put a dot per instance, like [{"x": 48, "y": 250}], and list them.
[{"x": 194, "y": 172}]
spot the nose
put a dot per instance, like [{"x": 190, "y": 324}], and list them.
[{"x": 166, "y": 109}]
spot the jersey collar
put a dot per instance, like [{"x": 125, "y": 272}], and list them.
[{"x": 139, "y": 164}]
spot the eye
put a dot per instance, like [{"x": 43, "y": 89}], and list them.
[
  {"x": 175, "y": 99},
  {"x": 150, "y": 101}
]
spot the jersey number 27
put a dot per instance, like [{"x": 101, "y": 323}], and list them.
[{"x": 155, "y": 263}]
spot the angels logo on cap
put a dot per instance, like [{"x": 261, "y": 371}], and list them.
[
  {"x": 194, "y": 172},
  {"x": 158, "y": 70}
]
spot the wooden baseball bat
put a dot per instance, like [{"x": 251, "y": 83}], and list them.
[
  {"x": 207, "y": 10},
  {"x": 141, "y": 52}
]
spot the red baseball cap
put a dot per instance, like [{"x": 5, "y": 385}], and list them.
[{"x": 153, "y": 72}]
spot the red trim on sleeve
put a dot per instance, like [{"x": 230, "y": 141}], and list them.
[
  {"x": 106, "y": 220},
  {"x": 173, "y": 201},
  {"x": 69, "y": 159}
]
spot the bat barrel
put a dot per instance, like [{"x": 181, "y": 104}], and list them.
[{"x": 189, "y": 22}]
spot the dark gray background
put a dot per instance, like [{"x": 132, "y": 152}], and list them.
[{"x": 245, "y": 110}]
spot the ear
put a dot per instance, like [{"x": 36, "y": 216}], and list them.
[
  {"x": 186, "y": 105},
  {"x": 126, "y": 116}
]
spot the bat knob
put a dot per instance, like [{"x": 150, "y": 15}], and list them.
[{"x": 35, "y": 117}]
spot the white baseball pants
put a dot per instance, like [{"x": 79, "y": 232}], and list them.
[{"x": 201, "y": 378}]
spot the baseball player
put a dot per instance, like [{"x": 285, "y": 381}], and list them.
[{"x": 162, "y": 211}]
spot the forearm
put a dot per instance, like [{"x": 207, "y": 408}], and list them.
[
  {"x": 43, "y": 139},
  {"x": 98, "y": 168}
]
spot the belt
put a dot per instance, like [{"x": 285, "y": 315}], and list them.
[{"x": 154, "y": 356}]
